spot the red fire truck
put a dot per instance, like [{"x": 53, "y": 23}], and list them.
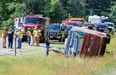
[{"x": 31, "y": 22}]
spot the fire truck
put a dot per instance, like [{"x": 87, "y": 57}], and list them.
[{"x": 31, "y": 22}]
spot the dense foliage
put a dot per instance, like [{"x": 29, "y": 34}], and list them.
[{"x": 57, "y": 10}]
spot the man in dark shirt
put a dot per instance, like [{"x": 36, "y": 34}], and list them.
[
  {"x": 47, "y": 42},
  {"x": 10, "y": 38}
]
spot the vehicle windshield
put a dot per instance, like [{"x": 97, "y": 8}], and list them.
[
  {"x": 105, "y": 20},
  {"x": 88, "y": 25},
  {"x": 32, "y": 20},
  {"x": 102, "y": 26},
  {"x": 111, "y": 25},
  {"x": 54, "y": 27}
]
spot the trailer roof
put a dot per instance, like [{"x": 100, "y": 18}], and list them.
[{"x": 101, "y": 34}]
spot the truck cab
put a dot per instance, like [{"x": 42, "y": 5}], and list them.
[
  {"x": 54, "y": 31},
  {"x": 32, "y": 22}
]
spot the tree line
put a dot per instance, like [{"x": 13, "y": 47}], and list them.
[{"x": 57, "y": 10}]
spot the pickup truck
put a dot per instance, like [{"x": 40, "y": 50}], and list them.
[{"x": 54, "y": 31}]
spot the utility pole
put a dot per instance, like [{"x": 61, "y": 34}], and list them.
[{"x": 15, "y": 45}]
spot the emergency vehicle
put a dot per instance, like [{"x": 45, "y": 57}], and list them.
[
  {"x": 74, "y": 22},
  {"x": 31, "y": 22}
]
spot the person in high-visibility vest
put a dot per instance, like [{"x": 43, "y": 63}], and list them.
[
  {"x": 32, "y": 37},
  {"x": 19, "y": 36},
  {"x": 36, "y": 37},
  {"x": 29, "y": 35},
  {"x": 63, "y": 35},
  {"x": 4, "y": 36}
]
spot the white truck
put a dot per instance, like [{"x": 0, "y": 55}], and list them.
[{"x": 97, "y": 19}]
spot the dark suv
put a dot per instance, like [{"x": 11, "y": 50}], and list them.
[
  {"x": 54, "y": 31},
  {"x": 102, "y": 27}
]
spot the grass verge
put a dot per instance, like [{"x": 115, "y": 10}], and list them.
[{"x": 35, "y": 62}]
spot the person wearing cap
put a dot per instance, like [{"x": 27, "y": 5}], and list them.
[
  {"x": 4, "y": 36},
  {"x": 29, "y": 35},
  {"x": 19, "y": 36},
  {"x": 10, "y": 38},
  {"x": 36, "y": 36}
]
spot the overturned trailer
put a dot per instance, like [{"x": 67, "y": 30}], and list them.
[{"x": 85, "y": 42}]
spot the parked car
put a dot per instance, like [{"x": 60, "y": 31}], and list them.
[
  {"x": 102, "y": 27},
  {"x": 111, "y": 27},
  {"x": 54, "y": 31},
  {"x": 89, "y": 26}
]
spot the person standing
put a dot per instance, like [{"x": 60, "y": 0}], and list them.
[
  {"x": 19, "y": 36},
  {"x": 10, "y": 38},
  {"x": 32, "y": 37},
  {"x": 4, "y": 36},
  {"x": 47, "y": 42},
  {"x": 36, "y": 36},
  {"x": 63, "y": 35},
  {"x": 29, "y": 36}
]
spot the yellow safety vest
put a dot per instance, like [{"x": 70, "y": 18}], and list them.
[
  {"x": 20, "y": 34},
  {"x": 62, "y": 32},
  {"x": 4, "y": 34},
  {"x": 35, "y": 33},
  {"x": 29, "y": 33}
]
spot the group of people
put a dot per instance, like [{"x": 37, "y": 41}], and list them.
[
  {"x": 32, "y": 36},
  {"x": 8, "y": 34},
  {"x": 33, "y": 39}
]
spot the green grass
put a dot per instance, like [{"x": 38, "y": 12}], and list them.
[
  {"x": 35, "y": 62},
  {"x": 112, "y": 46}
]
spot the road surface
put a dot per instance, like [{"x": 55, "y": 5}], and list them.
[{"x": 25, "y": 47}]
